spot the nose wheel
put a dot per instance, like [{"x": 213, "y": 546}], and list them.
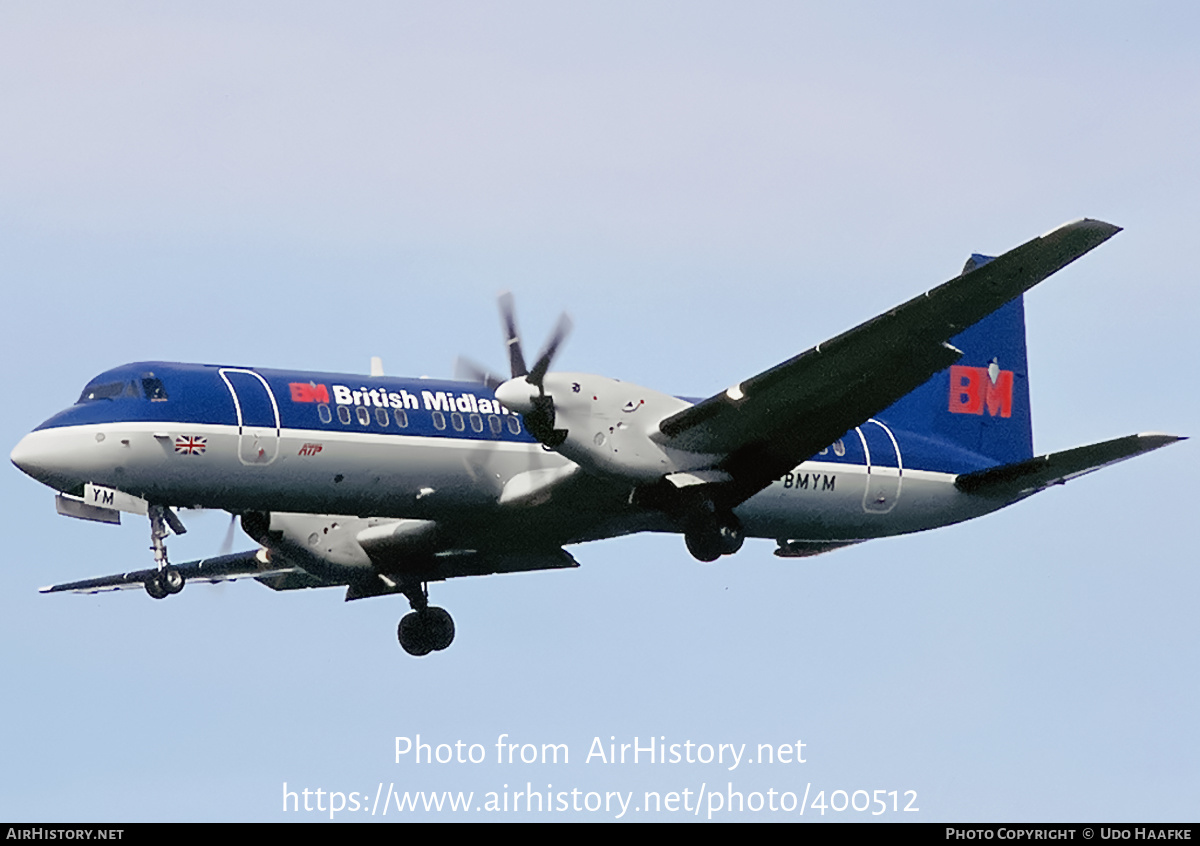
[
  {"x": 154, "y": 587},
  {"x": 427, "y": 628},
  {"x": 164, "y": 583}
]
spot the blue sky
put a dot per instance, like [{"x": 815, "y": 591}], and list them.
[{"x": 708, "y": 189}]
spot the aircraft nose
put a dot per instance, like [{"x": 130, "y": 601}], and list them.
[
  {"x": 25, "y": 454},
  {"x": 35, "y": 456}
]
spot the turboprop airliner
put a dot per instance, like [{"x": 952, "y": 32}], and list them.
[{"x": 916, "y": 419}]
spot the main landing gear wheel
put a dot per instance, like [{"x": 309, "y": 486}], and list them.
[
  {"x": 430, "y": 629},
  {"x": 708, "y": 540},
  {"x": 704, "y": 546}
]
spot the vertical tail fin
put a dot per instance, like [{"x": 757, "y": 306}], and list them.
[{"x": 981, "y": 404}]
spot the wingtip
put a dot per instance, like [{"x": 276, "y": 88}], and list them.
[
  {"x": 1087, "y": 224},
  {"x": 1107, "y": 229},
  {"x": 1161, "y": 438}
]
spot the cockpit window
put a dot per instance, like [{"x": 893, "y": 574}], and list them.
[
  {"x": 155, "y": 392},
  {"x": 105, "y": 390},
  {"x": 149, "y": 385}
]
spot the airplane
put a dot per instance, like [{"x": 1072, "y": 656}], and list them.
[{"x": 916, "y": 419}]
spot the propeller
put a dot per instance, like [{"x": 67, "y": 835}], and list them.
[
  {"x": 537, "y": 409},
  {"x": 511, "y": 339},
  {"x": 470, "y": 371},
  {"x": 227, "y": 544},
  {"x": 561, "y": 330}
]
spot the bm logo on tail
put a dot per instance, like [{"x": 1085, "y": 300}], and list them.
[{"x": 974, "y": 388}]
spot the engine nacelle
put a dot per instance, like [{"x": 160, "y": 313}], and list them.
[
  {"x": 609, "y": 424},
  {"x": 324, "y": 545},
  {"x": 340, "y": 548}
]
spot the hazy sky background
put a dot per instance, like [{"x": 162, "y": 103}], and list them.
[{"x": 708, "y": 189}]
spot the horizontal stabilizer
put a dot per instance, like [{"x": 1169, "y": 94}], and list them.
[
  {"x": 1014, "y": 481},
  {"x": 223, "y": 568}
]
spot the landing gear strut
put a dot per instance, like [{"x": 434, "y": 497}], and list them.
[
  {"x": 427, "y": 628},
  {"x": 167, "y": 580}
]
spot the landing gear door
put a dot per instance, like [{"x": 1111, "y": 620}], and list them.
[
  {"x": 885, "y": 467},
  {"x": 257, "y": 416}
]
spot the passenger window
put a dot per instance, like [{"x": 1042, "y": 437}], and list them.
[
  {"x": 401, "y": 418},
  {"x": 364, "y": 416},
  {"x": 344, "y": 414},
  {"x": 476, "y": 423},
  {"x": 324, "y": 413},
  {"x": 381, "y": 416},
  {"x": 456, "y": 420},
  {"x": 496, "y": 426},
  {"x": 439, "y": 420},
  {"x": 514, "y": 425}
]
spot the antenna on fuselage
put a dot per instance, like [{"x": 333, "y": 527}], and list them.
[{"x": 376, "y": 366}]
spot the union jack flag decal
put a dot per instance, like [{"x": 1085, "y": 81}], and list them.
[{"x": 190, "y": 445}]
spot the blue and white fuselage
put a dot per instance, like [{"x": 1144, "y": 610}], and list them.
[{"x": 233, "y": 438}]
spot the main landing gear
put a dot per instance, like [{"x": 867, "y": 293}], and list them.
[
  {"x": 167, "y": 580},
  {"x": 712, "y": 533},
  {"x": 710, "y": 528},
  {"x": 427, "y": 628}
]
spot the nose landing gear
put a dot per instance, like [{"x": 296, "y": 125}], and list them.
[
  {"x": 167, "y": 580},
  {"x": 427, "y": 628}
]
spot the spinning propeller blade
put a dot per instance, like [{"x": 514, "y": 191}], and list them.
[
  {"x": 511, "y": 338},
  {"x": 561, "y": 330},
  {"x": 227, "y": 544},
  {"x": 469, "y": 371},
  {"x": 537, "y": 409}
]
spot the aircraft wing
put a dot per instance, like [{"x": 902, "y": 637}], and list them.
[
  {"x": 220, "y": 569},
  {"x": 1016, "y": 481},
  {"x": 771, "y": 422}
]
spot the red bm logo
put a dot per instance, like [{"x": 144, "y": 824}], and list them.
[
  {"x": 972, "y": 388},
  {"x": 308, "y": 392}
]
